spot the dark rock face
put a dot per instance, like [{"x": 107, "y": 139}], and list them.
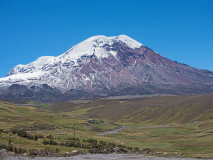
[
  {"x": 131, "y": 71},
  {"x": 18, "y": 91},
  {"x": 44, "y": 92}
]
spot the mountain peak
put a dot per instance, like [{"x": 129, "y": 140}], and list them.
[
  {"x": 121, "y": 38},
  {"x": 96, "y": 46}
]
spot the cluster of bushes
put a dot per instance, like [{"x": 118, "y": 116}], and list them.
[
  {"x": 92, "y": 145},
  {"x": 69, "y": 143},
  {"x": 24, "y": 134},
  {"x": 76, "y": 144},
  {"x": 13, "y": 149},
  {"x": 86, "y": 143},
  {"x": 50, "y": 142},
  {"x": 1, "y": 131},
  {"x": 99, "y": 144},
  {"x": 31, "y": 152},
  {"x": 46, "y": 152},
  {"x": 74, "y": 139}
]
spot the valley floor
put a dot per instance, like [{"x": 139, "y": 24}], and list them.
[{"x": 173, "y": 126}]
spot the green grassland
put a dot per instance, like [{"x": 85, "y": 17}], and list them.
[{"x": 175, "y": 125}]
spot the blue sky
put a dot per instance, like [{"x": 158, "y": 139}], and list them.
[{"x": 181, "y": 30}]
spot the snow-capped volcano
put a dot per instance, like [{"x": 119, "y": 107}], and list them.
[
  {"x": 94, "y": 46},
  {"x": 102, "y": 66},
  {"x": 47, "y": 68}
]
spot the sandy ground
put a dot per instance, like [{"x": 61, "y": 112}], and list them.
[{"x": 102, "y": 157}]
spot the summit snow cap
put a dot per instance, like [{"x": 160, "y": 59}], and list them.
[
  {"x": 123, "y": 38},
  {"x": 94, "y": 46}
]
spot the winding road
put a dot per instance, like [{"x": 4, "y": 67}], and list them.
[
  {"x": 123, "y": 127},
  {"x": 112, "y": 132}
]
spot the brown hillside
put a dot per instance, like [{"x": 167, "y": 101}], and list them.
[{"x": 152, "y": 110}]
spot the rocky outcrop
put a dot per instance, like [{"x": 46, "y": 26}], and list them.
[{"x": 4, "y": 154}]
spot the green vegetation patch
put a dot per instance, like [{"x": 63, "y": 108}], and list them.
[{"x": 171, "y": 125}]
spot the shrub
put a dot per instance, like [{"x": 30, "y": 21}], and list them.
[
  {"x": 13, "y": 149},
  {"x": 20, "y": 150},
  {"x": 29, "y": 136},
  {"x": 7, "y": 147},
  {"x": 33, "y": 152},
  {"x": 3, "y": 146},
  {"x": 14, "y": 131},
  {"x": 36, "y": 137},
  {"x": 77, "y": 139},
  {"x": 121, "y": 146},
  {"x": 10, "y": 148},
  {"x": 51, "y": 142},
  {"x": 22, "y": 133},
  {"x": 9, "y": 142},
  {"x": 129, "y": 148},
  {"x": 113, "y": 145},
  {"x": 50, "y": 136}
]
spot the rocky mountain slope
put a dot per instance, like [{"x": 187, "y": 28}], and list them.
[{"x": 104, "y": 66}]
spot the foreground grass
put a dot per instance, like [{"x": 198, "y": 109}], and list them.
[
  {"x": 190, "y": 138},
  {"x": 184, "y": 139}
]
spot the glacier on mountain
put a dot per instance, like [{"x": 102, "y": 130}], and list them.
[{"x": 43, "y": 67}]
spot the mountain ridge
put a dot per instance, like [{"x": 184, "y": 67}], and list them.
[{"x": 104, "y": 66}]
